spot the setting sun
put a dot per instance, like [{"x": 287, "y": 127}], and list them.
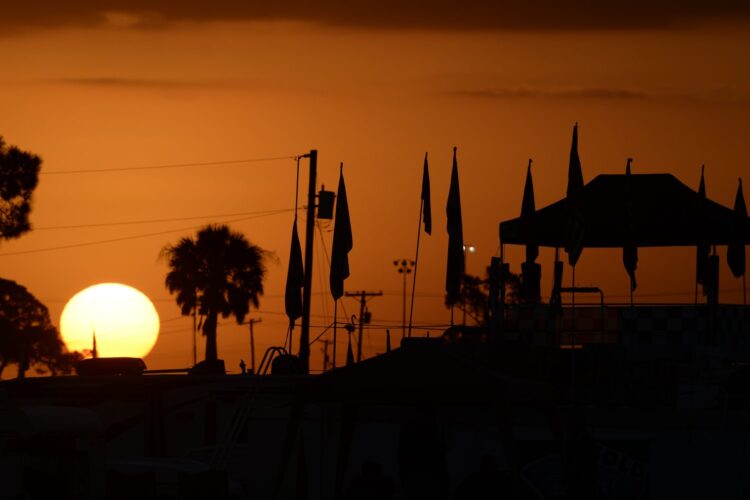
[{"x": 124, "y": 319}]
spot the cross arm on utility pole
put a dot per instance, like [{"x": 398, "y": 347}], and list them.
[{"x": 363, "y": 296}]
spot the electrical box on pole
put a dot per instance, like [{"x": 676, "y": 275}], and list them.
[{"x": 325, "y": 204}]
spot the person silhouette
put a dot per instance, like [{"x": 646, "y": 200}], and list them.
[{"x": 243, "y": 366}]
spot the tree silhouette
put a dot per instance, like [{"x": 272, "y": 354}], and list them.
[
  {"x": 27, "y": 337},
  {"x": 475, "y": 295},
  {"x": 219, "y": 273},
  {"x": 19, "y": 175}
]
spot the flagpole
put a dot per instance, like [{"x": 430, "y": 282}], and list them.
[
  {"x": 416, "y": 265},
  {"x": 335, "y": 321}
]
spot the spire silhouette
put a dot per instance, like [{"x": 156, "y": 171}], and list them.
[
  {"x": 575, "y": 174},
  {"x": 736, "y": 249},
  {"x": 575, "y": 228},
  {"x": 528, "y": 208}
]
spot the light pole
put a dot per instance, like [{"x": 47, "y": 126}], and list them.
[
  {"x": 470, "y": 249},
  {"x": 404, "y": 266},
  {"x": 252, "y": 322}
]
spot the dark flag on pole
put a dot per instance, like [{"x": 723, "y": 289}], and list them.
[
  {"x": 528, "y": 208},
  {"x": 342, "y": 241},
  {"x": 629, "y": 250},
  {"x": 425, "y": 214},
  {"x": 575, "y": 174},
  {"x": 295, "y": 279},
  {"x": 703, "y": 249},
  {"x": 574, "y": 231},
  {"x": 426, "y": 198},
  {"x": 455, "y": 269},
  {"x": 736, "y": 249}
]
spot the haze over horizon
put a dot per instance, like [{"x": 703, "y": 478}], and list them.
[{"x": 115, "y": 84}]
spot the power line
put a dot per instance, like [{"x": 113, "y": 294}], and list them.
[
  {"x": 125, "y": 238},
  {"x": 155, "y": 221},
  {"x": 164, "y": 166}
]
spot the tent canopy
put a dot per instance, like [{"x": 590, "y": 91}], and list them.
[{"x": 647, "y": 210}]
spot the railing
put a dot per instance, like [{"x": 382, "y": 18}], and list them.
[
  {"x": 271, "y": 353},
  {"x": 654, "y": 324}
]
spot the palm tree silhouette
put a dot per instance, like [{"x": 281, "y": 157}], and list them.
[{"x": 218, "y": 272}]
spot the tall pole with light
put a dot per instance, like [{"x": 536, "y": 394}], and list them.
[
  {"x": 405, "y": 267},
  {"x": 467, "y": 249}
]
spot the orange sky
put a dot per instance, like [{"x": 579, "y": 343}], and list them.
[{"x": 124, "y": 93}]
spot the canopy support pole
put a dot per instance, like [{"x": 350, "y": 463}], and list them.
[{"x": 573, "y": 339}]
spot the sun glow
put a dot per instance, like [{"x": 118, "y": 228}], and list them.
[{"x": 124, "y": 319}]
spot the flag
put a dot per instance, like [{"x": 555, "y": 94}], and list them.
[
  {"x": 574, "y": 231},
  {"x": 455, "y": 268},
  {"x": 736, "y": 249},
  {"x": 426, "y": 198},
  {"x": 703, "y": 247},
  {"x": 629, "y": 250},
  {"x": 295, "y": 279},
  {"x": 575, "y": 174},
  {"x": 342, "y": 241},
  {"x": 528, "y": 209}
]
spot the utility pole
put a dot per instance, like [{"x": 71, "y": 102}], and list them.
[
  {"x": 304, "y": 338},
  {"x": 326, "y": 359},
  {"x": 362, "y": 301},
  {"x": 252, "y": 322}
]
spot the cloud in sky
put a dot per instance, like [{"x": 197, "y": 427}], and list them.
[
  {"x": 380, "y": 14},
  {"x": 148, "y": 83},
  {"x": 714, "y": 95},
  {"x": 536, "y": 93}
]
